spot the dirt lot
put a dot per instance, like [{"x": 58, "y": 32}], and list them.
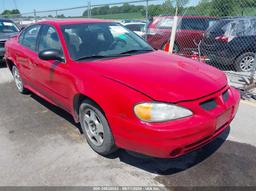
[{"x": 40, "y": 145}]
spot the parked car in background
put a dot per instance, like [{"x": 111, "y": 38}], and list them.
[
  {"x": 8, "y": 29},
  {"x": 124, "y": 93},
  {"x": 189, "y": 33},
  {"x": 138, "y": 27},
  {"x": 231, "y": 41}
]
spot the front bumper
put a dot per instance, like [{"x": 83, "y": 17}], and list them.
[{"x": 175, "y": 138}]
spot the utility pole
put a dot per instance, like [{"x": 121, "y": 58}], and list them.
[
  {"x": 35, "y": 17},
  {"x": 174, "y": 29},
  {"x": 56, "y": 13},
  {"x": 89, "y": 9},
  {"x": 147, "y": 10}
]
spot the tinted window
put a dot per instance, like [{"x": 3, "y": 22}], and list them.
[
  {"x": 100, "y": 39},
  {"x": 49, "y": 39},
  {"x": 219, "y": 27},
  {"x": 28, "y": 37},
  {"x": 135, "y": 27},
  {"x": 196, "y": 24},
  {"x": 8, "y": 27},
  {"x": 165, "y": 23},
  {"x": 242, "y": 27}
]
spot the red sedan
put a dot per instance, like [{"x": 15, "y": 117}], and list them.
[{"x": 123, "y": 93}]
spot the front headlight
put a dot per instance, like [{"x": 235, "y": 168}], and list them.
[{"x": 159, "y": 112}]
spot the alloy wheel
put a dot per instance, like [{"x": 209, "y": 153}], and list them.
[
  {"x": 246, "y": 64},
  {"x": 17, "y": 79},
  {"x": 93, "y": 127}
]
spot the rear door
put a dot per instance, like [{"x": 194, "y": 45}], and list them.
[
  {"x": 26, "y": 54},
  {"x": 210, "y": 42}
]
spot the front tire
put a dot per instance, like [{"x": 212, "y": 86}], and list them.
[
  {"x": 18, "y": 81},
  {"x": 245, "y": 62},
  {"x": 96, "y": 129}
]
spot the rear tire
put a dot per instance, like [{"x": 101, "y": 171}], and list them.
[
  {"x": 96, "y": 129},
  {"x": 245, "y": 62},
  {"x": 18, "y": 81}
]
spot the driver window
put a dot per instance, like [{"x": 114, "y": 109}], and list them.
[{"x": 49, "y": 40}]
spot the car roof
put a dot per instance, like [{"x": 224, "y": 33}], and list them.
[
  {"x": 6, "y": 20},
  {"x": 72, "y": 21},
  {"x": 186, "y": 16},
  {"x": 134, "y": 23},
  {"x": 238, "y": 17}
]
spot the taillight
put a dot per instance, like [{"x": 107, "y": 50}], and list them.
[
  {"x": 222, "y": 38},
  {"x": 166, "y": 47}
]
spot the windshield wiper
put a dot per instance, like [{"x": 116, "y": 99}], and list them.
[
  {"x": 136, "y": 51},
  {"x": 93, "y": 57},
  {"x": 126, "y": 53}
]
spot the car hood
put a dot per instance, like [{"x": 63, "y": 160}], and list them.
[{"x": 163, "y": 77}]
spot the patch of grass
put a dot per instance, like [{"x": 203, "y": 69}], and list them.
[{"x": 250, "y": 11}]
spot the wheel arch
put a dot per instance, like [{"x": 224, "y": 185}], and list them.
[
  {"x": 77, "y": 100},
  {"x": 247, "y": 50},
  {"x": 10, "y": 63}
]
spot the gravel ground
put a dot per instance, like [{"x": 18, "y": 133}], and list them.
[{"x": 40, "y": 145}]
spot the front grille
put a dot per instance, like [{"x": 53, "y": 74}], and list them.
[
  {"x": 209, "y": 104},
  {"x": 212, "y": 103}
]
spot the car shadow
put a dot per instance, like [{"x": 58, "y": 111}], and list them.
[
  {"x": 62, "y": 113},
  {"x": 150, "y": 164}
]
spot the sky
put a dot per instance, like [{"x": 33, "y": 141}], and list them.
[{"x": 29, "y": 5}]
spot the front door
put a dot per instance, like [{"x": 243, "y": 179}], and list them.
[{"x": 53, "y": 76}]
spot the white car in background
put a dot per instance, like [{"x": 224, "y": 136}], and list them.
[{"x": 138, "y": 27}]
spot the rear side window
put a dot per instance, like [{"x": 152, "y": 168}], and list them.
[
  {"x": 200, "y": 24},
  {"x": 28, "y": 38},
  {"x": 219, "y": 27},
  {"x": 165, "y": 23}
]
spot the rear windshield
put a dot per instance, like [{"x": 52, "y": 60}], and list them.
[
  {"x": 200, "y": 24},
  {"x": 165, "y": 23},
  {"x": 8, "y": 27}
]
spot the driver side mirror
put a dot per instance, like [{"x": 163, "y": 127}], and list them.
[{"x": 51, "y": 54}]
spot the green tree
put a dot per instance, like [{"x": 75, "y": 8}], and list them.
[
  {"x": 223, "y": 8},
  {"x": 9, "y": 13},
  {"x": 60, "y": 16}
]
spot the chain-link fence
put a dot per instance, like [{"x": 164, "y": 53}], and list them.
[{"x": 221, "y": 33}]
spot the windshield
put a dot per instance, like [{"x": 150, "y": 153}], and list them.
[
  {"x": 99, "y": 40},
  {"x": 8, "y": 27}
]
